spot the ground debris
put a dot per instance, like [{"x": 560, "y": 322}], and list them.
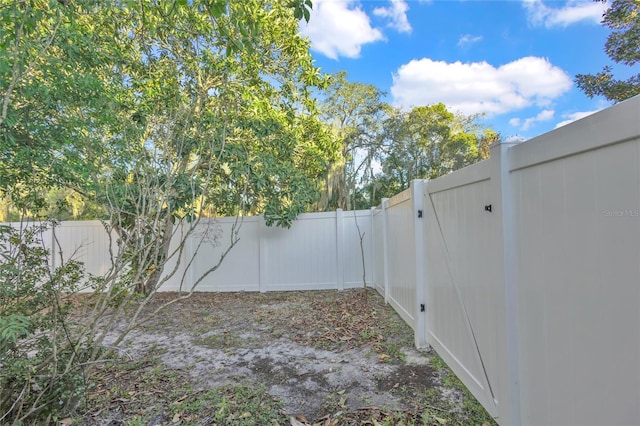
[{"x": 322, "y": 358}]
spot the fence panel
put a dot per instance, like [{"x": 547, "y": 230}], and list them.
[
  {"x": 303, "y": 256},
  {"x": 378, "y": 250},
  {"x": 211, "y": 238},
  {"x": 401, "y": 252},
  {"x": 353, "y": 253},
  {"x": 463, "y": 292},
  {"x": 577, "y": 211},
  {"x": 84, "y": 241},
  {"x": 319, "y": 251}
]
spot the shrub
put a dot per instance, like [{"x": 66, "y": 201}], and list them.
[{"x": 41, "y": 364}]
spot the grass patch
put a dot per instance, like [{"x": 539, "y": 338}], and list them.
[
  {"x": 140, "y": 392},
  {"x": 467, "y": 412},
  {"x": 230, "y": 405}
]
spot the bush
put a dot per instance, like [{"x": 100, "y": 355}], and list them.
[{"x": 41, "y": 363}]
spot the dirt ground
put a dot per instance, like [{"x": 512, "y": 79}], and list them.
[{"x": 322, "y": 357}]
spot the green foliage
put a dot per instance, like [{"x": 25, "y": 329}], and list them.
[
  {"x": 104, "y": 91},
  {"x": 145, "y": 114},
  {"x": 622, "y": 46},
  {"x": 158, "y": 112},
  {"x": 244, "y": 404},
  {"x": 472, "y": 412},
  {"x": 354, "y": 112},
  {"x": 41, "y": 376},
  {"x": 301, "y": 9},
  {"x": 424, "y": 143}
]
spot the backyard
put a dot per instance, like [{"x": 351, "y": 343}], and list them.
[{"x": 320, "y": 357}]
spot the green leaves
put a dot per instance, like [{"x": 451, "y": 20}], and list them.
[
  {"x": 135, "y": 89},
  {"x": 354, "y": 112},
  {"x": 41, "y": 371},
  {"x": 13, "y": 328},
  {"x": 426, "y": 142},
  {"x": 622, "y": 46},
  {"x": 217, "y": 8},
  {"x": 301, "y": 9}
]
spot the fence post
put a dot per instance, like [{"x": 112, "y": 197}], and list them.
[
  {"x": 263, "y": 275},
  {"x": 420, "y": 273},
  {"x": 339, "y": 250},
  {"x": 372, "y": 248},
  {"x": 53, "y": 249},
  {"x": 507, "y": 257},
  {"x": 190, "y": 253},
  {"x": 385, "y": 251}
]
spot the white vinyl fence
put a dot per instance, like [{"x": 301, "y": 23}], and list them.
[
  {"x": 521, "y": 271},
  {"x": 319, "y": 251},
  {"x": 528, "y": 265}
]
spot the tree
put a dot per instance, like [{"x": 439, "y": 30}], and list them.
[
  {"x": 622, "y": 46},
  {"x": 424, "y": 143},
  {"x": 158, "y": 112},
  {"x": 172, "y": 107},
  {"x": 354, "y": 113}
]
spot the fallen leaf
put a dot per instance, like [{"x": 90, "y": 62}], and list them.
[
  {"x": 245, "y": 415},
  {"x": 176, "y": 418},
  {"x": 66, "y": 421},
  {"x": 295, "y": 422},
  {"x": 180, "y": 400},
  {"x": 383, "y": 357}
]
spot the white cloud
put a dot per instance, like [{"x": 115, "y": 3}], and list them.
[
  {"x": 515, "y": 138},
  {"x": 544, "y": 115},
  {"x": 479, "y": 87},
  {"x": 467, "y": 39},
  {"x": 570, "y": 118},
  {"x": 572, "y": 12},
  {"x": 397, "y": 12},
  {"x": 515, "y": 122},
  {"x": 339, "y": 28}
]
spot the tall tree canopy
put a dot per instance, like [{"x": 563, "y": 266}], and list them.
[
  {"x": 354, "y": 112},
  {"x": 424, "y": 143},
  {"x": 622, "y": 46},
  {"x": 159, "y": 111},
  {"x": 201, "y": 96}
]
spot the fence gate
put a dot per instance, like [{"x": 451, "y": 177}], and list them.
[{"x": 463, "y": 295}]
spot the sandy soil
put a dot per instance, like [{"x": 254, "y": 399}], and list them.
[{"x": 304, "y": 348}]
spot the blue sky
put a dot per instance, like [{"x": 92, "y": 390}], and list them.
[{"x": 512, "y": 60}]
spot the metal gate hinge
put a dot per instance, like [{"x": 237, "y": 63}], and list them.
[
  {"x": 487, "y": 208},
  {"x": 419, "y": 213},
  {"x": 422, "y": 307}
]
